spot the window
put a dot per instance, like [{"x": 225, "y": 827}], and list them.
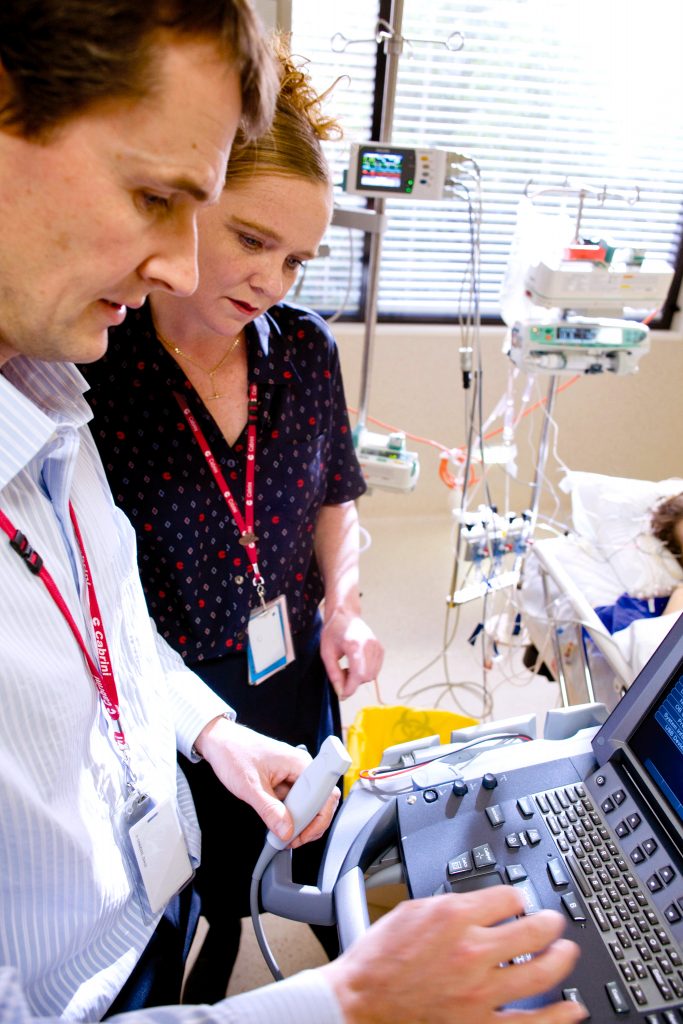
[{"x": 542, "y": 91}]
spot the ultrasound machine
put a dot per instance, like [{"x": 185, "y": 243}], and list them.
[{"x": 587, "y": 820}]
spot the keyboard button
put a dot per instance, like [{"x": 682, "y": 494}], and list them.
[
  {"x": 516, "y": 873},
  {"x": 599, "y": 915},
  {"x": 555, "y": 805},
  {"x": 661, "y": 983},
  {"x": 571, "y": 904},
  {"x": 495, "y": 815},
  {"x": 617, "y": 997},
  {"x": 640, "y": 969},
  {"x": 578, "y": 875},
  {"x": 483, "y": 856},
  {"x": 525, "y": 807},
  {"x": 532, "y": 901},
  {"x": 557, "y": 872},
  {"x": 638, "y": 994},
  {"x": 665, "y": 965},
  {"x": 461, "y": 864},
  {"x": 677, "y": 987},
  {"x": 627, "y": 970}
]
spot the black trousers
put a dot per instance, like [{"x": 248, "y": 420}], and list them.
[{"x": 296, "y": 705}]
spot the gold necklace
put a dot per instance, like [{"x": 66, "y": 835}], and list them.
[{"x": 170, "y": 347}]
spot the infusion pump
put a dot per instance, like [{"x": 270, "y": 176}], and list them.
[{"x": 579, "y": 345}]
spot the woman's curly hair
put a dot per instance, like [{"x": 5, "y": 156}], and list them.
[{"x": 291, "y": 146}]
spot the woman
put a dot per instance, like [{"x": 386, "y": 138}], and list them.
[{"x": 222, "y": 424}]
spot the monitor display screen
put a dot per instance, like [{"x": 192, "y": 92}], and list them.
[
  {"x": 657, "y": 742},
  {"x": 381, "y": 170}
]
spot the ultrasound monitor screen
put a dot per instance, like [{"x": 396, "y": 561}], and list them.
[{"x": 658, "y": 743}]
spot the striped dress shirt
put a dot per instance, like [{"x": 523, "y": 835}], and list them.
[{"x": 71, "y": 928}]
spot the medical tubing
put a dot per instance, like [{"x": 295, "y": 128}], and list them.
[{"x": 267, "y": 854}]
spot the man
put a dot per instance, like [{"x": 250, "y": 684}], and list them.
[{"x": 116, "y": 120}]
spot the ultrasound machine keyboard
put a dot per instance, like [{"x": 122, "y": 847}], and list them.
[
  {"x": 648, "y": 961},
  {"x": 584, "y": 847}
]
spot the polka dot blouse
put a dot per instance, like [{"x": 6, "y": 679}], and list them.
[{"x": 196, "y": 575}]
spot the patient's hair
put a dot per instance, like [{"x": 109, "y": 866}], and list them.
[
  {"x": 665, "y": 517},
  {"x": 60, "y": 57},
  {"x": 291, "y": 145}
]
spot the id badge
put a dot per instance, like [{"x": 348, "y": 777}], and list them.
[
  {"x": 157, "y": 851},
  {"x": 270, "y": 640}
]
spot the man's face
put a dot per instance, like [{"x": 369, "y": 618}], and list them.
[{"x": 105, "y": 211}]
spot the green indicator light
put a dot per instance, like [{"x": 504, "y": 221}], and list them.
[{"x": 410, "y": 181}]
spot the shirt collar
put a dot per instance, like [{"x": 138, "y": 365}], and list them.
[
  {"x": 273, "y": 362},
  {"x": 36, "y": 399}
]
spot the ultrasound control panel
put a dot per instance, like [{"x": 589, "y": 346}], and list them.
[{"x": 579, "y": 846}]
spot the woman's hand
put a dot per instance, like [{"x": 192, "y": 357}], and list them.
[{"x": 346, "y": 634}]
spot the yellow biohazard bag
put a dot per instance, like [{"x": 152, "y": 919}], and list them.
[{"x": 377, "y": 727}]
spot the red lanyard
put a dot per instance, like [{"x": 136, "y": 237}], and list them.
[
  {"x": 244, "y": 523},
  {"x": 102, "y": 676}
]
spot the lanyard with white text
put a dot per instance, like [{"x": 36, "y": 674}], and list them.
[
  {"x": 244, "y": 523},
  {"x": 103, "y": 677}
]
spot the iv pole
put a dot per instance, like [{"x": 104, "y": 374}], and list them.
[
  {"x": 393, "y": 47},
  {"x": 390, "y": 34}
]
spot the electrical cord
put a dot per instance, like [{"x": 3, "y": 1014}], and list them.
[
  {"x": 387, "y": 772},
  {"x": 267, "y": 854}
]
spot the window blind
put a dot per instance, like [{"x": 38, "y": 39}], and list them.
[{"x": 542, "y": 91}]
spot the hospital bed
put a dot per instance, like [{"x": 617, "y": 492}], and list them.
[{"x": 609, "y": 551}]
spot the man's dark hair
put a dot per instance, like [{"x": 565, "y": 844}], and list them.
[{"x": 59, "y": 57}]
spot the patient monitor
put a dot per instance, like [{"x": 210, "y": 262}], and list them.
[{"x": 398, "y": 172}]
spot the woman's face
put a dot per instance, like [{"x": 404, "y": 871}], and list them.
[{"x": 251, "y": 246}]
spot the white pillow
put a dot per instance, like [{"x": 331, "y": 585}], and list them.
[{"x": 613, "y": 514}]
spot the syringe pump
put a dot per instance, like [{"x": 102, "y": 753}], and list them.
[
  {"x": 385, "y": 462},
  {"x": 580, "y": 345}
]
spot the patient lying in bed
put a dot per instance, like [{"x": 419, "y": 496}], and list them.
[
  {"x": 667, "y": 526},
  {"x": 623, "y": 557}
]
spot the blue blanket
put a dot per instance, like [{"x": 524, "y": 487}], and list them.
[{"x": 627, "y": 609}]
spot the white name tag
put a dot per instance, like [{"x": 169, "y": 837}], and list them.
[
  {"x": 161, "y": 854},
  {"x": 270, "y": 640}
]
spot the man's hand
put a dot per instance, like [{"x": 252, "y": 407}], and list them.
[
  {"x": 261, "y": 771},
  {"x": 438, "y": 961},
  {"x": 346, "y": 634}
]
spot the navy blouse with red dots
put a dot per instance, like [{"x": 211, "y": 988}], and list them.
[{"x": 196, "y": 574}]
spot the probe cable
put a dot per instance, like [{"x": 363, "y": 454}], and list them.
[{"x": 381, "y": 773}]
